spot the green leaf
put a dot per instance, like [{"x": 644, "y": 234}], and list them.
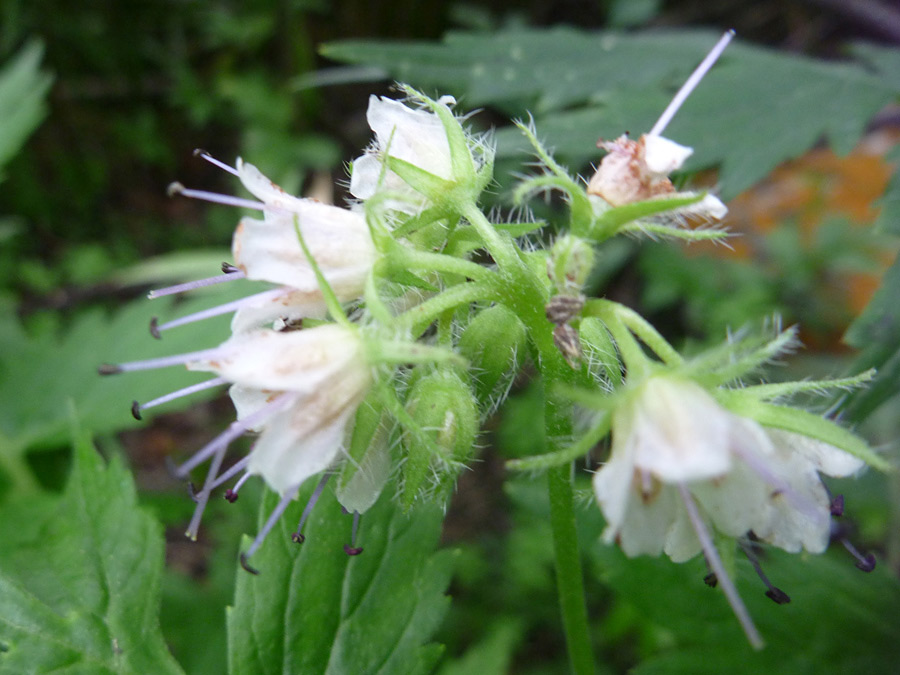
[
  {"x": 313, "y": 609},
  {"x": 875, "y": 333},
  {"x": 80, "y": 578},
  {"x": 23, "y": 93},
  {"x": 753, "y": 111},
  {"x": 42, "y": 372}
]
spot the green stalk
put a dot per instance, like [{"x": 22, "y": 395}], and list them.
[
  {"x": 525, "y": 294},
  {"x": 569, "y": 583}
]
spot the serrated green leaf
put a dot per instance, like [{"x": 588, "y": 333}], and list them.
[
  {"x": 753, "y": 111},
  {"x": 41, "y": 373},
  {"x": 875, "y": 333},
  {"x": 313, "y": 609},
  {"x": 23, "y": 93},
  {"x": 80, "y": 578}
]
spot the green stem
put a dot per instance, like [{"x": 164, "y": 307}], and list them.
[
  {"x": 498, "y": 244},
  {"x": 569, "y": 583},
  {"x": 420, "y": 317}
]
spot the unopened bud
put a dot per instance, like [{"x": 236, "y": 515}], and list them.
[
  {"x": 443, "y": 408},
  {"x": 570, "y": 263},
  {"x": 494, "y": 342}
]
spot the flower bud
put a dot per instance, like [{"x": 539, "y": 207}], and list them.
[
  {"x": 493, "y": 342},
  {"x": 443, "y": 408},
  {"x": 570, "y": 263}
]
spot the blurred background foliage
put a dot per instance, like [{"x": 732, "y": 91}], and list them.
[{"x": 102, "y": 103}]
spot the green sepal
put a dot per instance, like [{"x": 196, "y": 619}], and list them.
[
  {"x": 612, "y": 221},
  {"x": 600, "y": 351}
]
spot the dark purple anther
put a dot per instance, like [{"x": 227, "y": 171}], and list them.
[
  {"x": 231, "y": 496},
  {"x": 778, "y": 595},
  {"x": 711, "y": 580},
  {"x": 154, "y": 328},
  {"x": 136, "y": 410},
  {"x": 350, "y": 550},
  {"x": 837, "y": 506},
  {"x": 246, "y": 565}
]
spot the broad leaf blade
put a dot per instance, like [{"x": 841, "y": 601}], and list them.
[
  {"x": 313, "y": 609},
  {"x": 23, "y": 93},
  {"x": 753, "y": 111},
  {"x": 80, "y": 577}
]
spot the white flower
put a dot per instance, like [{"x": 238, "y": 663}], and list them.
[
  {"x": 269, "y": 250},
  {"x": 310, "y": 380},
  {"x": 635, "y": 171},
  {"x": 745, "y": 478},
  {"x": 414, "y": 136}
]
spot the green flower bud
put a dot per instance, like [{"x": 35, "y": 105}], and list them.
[
  {"x": 600, "y": 351},
  {"x": 493, "y": 342},
  {"x": 443, "y": 408},
  {"x": 570, "y": 263}
]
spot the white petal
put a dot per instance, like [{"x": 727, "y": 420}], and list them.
[
  {"x": 416, "y": 136},
  {"x": 612, "y": 485},
  {"x": 662, "y": 156},
  {"x": 365, "y": 176},
  {"x": 265, "y": 190},
  {"x": 682, "y": 543},
  {"x": 337, "y": 238},
  {"x": 680, "y": 433},
  {"x": 301, "y": 361},
  {"x": 248, "y": 400},
  {"x": 647, "y": 522},
  {"x": 295, "y": 445},
  {"x": 824, "y": 457},
  {"x": 292, "y": 306},
  {"x": 735, "y": 503}
]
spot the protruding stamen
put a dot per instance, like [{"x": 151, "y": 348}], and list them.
[
  {"x": 199, "y": 152},
  {"x": 298, "y": 537},
  {"x": 353, "y": 549},
  {"x": 223, "y": 309},
  {"x": 202, "y": 497},
  {"x": 773, "y": 592},
  {"x": 235, "y": 469},
  {"x": 235, "y": 430},
  {"x": 214, "y": 197},
  {"x": 231, "y": 274},
  {"x": 163, "y": 362},
  {"x": 691, "y": 84},
  {"x": 866, "y": 562},
  {"x": 712, "y": 557},
  {"x": 136, "y": 407},
  {"x": 246, "y": 565},
  {"x": 231, "y": 494},
  {"x": 270, "y": 523}
]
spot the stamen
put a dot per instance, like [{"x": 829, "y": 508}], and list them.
[
  {"x": 712, "y": 557},
  {"x": 235, "y": 430},
  {"x": 199, "y": 152},
  {"x": 235, "y": 469},
  {"x": 163, "y": 362},
  {"x": 219, "y": 309},
  {"x": 177, "y": 188},
  {"x": 230, "y": 274},
  {"x": 352, "y": 549},
  {"x": 270, "y": 523},
  {"x": 688, "y": 87},
  {"x": 298, "y": 537},
  {"x": 231, "y": 495},
  {"x": 203, "y": 495},
  {"x": 774, "y": 593},
  {"x": 866, "y": 562},
  {"x": 136, "y": 407},
  {"x": 837, "y": 506}
]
